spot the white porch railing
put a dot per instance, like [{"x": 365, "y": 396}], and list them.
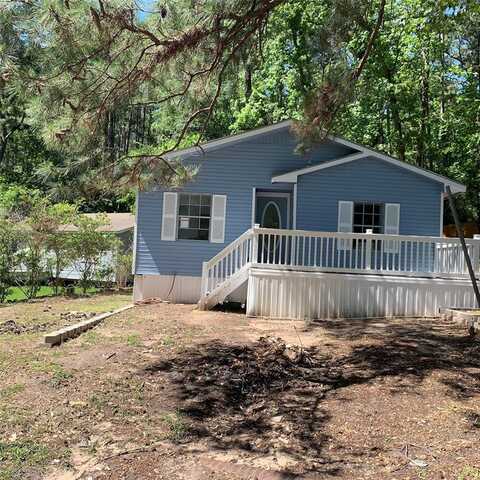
[
  {"x": 365, "y": 253},
  {"x": 340, "y": 252}
]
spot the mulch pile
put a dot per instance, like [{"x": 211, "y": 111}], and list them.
[
  {"x": 263, "y": 397},
  {"x": 12, "y": 327},
  {"x": 270, "y": 365},
  {"x": 69, "y": 318},
  {"x": 74, "y": 317}
]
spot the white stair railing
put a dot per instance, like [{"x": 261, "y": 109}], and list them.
[{"x": 232, "y": 259}]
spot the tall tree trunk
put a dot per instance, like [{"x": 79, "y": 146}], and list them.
[
  {"x": 398, "y": 126},
  {"x": 248, "y": 81},
  {"x": 423, "y": 135},
  {"x": 442, "y": 135},
  {"x": 396, "y": 118},
  {"x": 3, "y": 149},
  {"x": 380, "y": 140}
]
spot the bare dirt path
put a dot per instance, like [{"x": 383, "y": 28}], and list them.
[{"x": 167, "y": 392}]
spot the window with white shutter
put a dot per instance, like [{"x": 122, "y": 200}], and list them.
[
  {"x": 392, "y": 226},
  {"x": 194, "y": 213},
  {"x": 169, "y": 216},
  {"x": 217, "y": 223},
  {"x": 345, "y": 223}
]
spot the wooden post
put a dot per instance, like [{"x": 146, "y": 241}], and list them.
[
  {"x": 204, "y": 287},
  {"x": 468, "y": 261},
  {"x": 476, "y": 254},
  {"x": 255, "y": 240},
  {"x": 368, "y": 250}
]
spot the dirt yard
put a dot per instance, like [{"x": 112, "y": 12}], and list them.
[{"x": 166, "y": 392}]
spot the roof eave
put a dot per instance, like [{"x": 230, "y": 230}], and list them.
[
  {"x": 456, "y": 187},
  {"x": 292, "y": 177},
  {"x": 230, "y": 140}
]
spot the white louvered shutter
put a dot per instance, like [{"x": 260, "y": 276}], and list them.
[
  {"x": 217, "y": 223},
  {"x": 392, "y": 226},
  {"x": 345, "y": 223},
  {"x": 169, "y": 216}
]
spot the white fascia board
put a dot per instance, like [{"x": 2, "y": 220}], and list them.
[
  {"x": 291, "y": 177},
  {"x": 230, "y": 140},
  {"x": 363, "y": 151}
]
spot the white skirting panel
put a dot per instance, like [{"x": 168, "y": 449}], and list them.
[
  {"x": 178, "y": 289},
  {"x": 309, "y": 295}
]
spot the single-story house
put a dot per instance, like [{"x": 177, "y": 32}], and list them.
[{"x": 339, "y": 231}]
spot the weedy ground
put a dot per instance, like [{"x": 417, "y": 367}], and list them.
[{"x": 167, "y": 392}]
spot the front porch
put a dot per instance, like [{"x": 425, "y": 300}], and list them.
[{"x": 307, "y": 274}]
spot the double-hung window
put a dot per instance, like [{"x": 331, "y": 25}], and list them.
[
  {"x": 358, "y": 217},
  {"x": 368, "y": 216},
  {"x": 194, "y": 214}
]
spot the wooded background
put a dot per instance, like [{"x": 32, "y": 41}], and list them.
[{"x": 94, "y": 92}]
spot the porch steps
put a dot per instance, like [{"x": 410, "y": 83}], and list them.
[{"x": 222, "y": 291}]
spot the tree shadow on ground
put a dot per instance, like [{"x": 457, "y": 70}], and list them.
[
  {"x": 411, "y": 350},
  {"x": 260, "y": 397},
  {"x": 263, "y": 397}
]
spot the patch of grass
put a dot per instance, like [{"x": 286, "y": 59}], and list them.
[
  {"x": 39, "y": 364},
  {"x": 91, "y": 337},
  {"x": 15, "y": 457},
  {"x": 3, "y": 358},
  {"x": 60, "y": 377},
  {"x": 134, "y": 340},
  {"x": 422, "y": 474},
  {"x": 42, "y": 363},
  {"x": 49, "y": 312},
  {"x": 98, "y": 401},
  {"x": 177, "y": 426},
  {"x": 99, "y": 303},
  {"x": 469, "y": 473},
  {"x": 10, "y": 391},
  {"x": 12, "y": 416},
  {"x": 16, "y": 293},
  {"x": 168, "y": 341}
]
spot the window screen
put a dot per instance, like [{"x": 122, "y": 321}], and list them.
[
  {"x": 368, "y": 215},
  {"x": 194, "y": 212}
]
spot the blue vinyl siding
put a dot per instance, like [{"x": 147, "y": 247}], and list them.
[
  {"x": 370, "y": 180},
  {"x": 234, "y": 171}
]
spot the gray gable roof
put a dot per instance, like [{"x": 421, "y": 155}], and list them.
[{"x": 292, "y": 176}]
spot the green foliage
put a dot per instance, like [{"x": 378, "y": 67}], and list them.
[
  {"x": 37, "y": 242},
  {"x": 70, "y": 130},
  {"x": 16, "y": 200},
  {"x": 134, "y": 340},
  {"x": 60, "y": 377},
  {"x": 418, "y": 98},
  {"x": 17, "y": 294},
  {"x": 177, "y": 426},
  {"x": 15, "y": 456},
  {"x": 469, "y": 473},
  {"x": 58, "y": 243},
  {"x": 123, "y": 266},
  {"x": 10, "y": 391},
  {"x": 46, "y": 247},
  {"x": 9, "y": 256},
  {"x": 91, "y": 245}
]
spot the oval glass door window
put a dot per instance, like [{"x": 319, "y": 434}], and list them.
[{"x": 271, "y": 217}]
